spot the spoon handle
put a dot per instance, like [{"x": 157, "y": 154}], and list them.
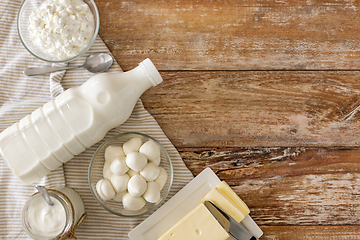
[
  {"x": 42, "y": 190},
  {"x": 41, "y": 70}
]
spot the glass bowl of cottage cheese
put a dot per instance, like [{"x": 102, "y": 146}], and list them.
[{"x": 57, "y": 30}]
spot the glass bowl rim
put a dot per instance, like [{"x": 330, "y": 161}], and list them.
[
  {"x": 91, "y": 42},
  {"x": 166, "y": 154}
]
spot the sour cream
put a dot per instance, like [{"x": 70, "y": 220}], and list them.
[
  {"x": 61, "y": 28},
  {"x": 46, "y": 220}
]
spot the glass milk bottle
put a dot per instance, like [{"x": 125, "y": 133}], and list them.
[
  {"x": 43, "y": 222},
  {"x": 73, "y": 121}
]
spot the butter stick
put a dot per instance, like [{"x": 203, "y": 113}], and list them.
[{"x": 226, "y": 189}]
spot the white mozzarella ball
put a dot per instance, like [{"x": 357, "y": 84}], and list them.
[
  {"x": 118, "y": 166},
  {"x": 132, "y": 145},
  {"x": 112, "y": 152},
  {"x": 105, "y": 189},
  {"x": 132, "y": 203},
  {"x": 119, "y": 183},
  {"x": 132, "y": 173},
  {"x": 118, "y": 197},
  {"x": 136, "y": 161},
  {"x": 152, "y": 193},
  {"x": 151, "y": 150},
  {"x": 137, "y": 185},
  {"x": 106, "y": 170},
  {"x": 157, "y": 161},
  {"x": 161, "y": 179},
  {"x": 150, "y": 172},
  {"x": 98, "y": 190}
]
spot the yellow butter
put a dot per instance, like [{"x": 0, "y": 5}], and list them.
[
  {"x": 226, "y": 189},
  {"x": 199, "y": 224},
  {"x": 222, "y": 201}
]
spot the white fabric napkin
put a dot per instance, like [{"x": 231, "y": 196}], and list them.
[{"x": 20, "y": 95}]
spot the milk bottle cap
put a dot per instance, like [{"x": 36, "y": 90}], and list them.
[{"x": 151, "y": 71}]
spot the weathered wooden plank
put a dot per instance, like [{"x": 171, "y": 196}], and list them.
[
  {"x": 310, "y": 232},
  {"x": 232, "y": 35},
  {"x": 288, "y": 186},
  {"x": 257, "y": 108},
  {"x": 274, "y": 136}
]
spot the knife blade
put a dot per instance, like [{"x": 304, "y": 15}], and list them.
[{"x": 228, "y": 223}]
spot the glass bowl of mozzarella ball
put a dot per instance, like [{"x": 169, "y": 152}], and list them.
[
  {"x": 130, "y": 174},
  {"x": 57, "y": 31}
]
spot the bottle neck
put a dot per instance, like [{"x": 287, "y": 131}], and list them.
[
  {"x": 141, "y": 77},
  {"x": 151, "y": 72}
]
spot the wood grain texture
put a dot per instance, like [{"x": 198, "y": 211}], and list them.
[
  {"x": 310, "y": 232},
  {"x": 288, "y": 186},
  {"x": 233, "y": 35},
  {"x": 257, "y": 108},
  {"x": 266, "y": 93}
]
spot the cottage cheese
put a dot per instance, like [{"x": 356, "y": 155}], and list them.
[{"x": 62, "y": 28}]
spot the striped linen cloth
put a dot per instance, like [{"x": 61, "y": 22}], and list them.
[{"x": 20, "y": 95}]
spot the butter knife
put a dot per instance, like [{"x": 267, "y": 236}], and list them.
[{"x": 228, "y": 223}]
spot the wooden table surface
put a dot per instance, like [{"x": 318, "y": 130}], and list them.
[{"x": 266, "y": 93}]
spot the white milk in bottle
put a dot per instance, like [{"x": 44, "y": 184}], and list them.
[{"x": 73, "y": 121}]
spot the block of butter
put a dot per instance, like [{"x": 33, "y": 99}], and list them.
[
  {"x": 198, "y": 224},
  {"x": 225, "y": 203}
]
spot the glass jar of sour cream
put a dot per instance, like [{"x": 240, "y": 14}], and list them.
[{"x": 42, "y": 221}]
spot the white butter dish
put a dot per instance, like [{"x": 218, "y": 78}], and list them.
[{"x": 179, "y": 205}]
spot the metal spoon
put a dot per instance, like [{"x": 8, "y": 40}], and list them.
[
  {"x": 42, "y": 190},
  {"x": 95, "y": 63}
]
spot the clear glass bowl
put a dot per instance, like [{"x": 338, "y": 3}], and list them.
[
  {"x": 96, "y": 173},
  {"x": 26, "y": 8}
]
